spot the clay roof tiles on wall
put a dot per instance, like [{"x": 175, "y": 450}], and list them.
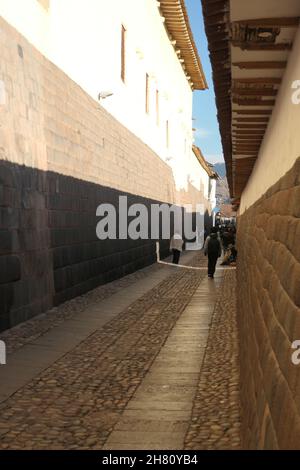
[
  {"x": 205, "y": 165},
  {"x": 178, "y": 27}
]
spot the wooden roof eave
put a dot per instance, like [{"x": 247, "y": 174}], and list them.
[
  {"x": 211, "y": 173},
  {"x": 178, "y": 26}
]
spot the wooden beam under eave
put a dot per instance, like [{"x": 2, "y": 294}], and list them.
[
  {"x": 251, "y": 119},
  {"x": 257, "y": 145},
  {"x": 271, "y": 64},
  {"x": 249, "y": 126},
  {"x": 241, "y": 155},
  {"x": 246, "y": 153},
  {"x": 251, "y": 151},
  {"x": 248, "y": 131},
  {"x": 262, "y": 46},
  {"x": 289, "y": 21},
  {"x": 245, "y": 170},
  {"x": 253, "y": 111},
  {"x": 254, "y": 91},
  {"x": 262, "y": 80},
  {"x": 246, "y": 147},
  {"x": 242, "y": 136},
  {"x": 245, "y": 137},
  {"x": 252, "y": 102},
  {"x": 246, "y": 150},
  {"x": 249, "y": 136},
  {"x": 242, "y": 151},
  {"x": 246, "y": 142},
  {"x": 252, "y": 145}
]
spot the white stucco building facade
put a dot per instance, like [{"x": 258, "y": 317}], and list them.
[
  {"x": 207, "y": 180},
  {"x": 124, "y": 52}
]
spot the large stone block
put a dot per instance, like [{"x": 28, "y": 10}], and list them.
[
  {"x": 6, "y": 242},
  {"x": 269, "y": 316},
  {"x": 10, "y": 269}
]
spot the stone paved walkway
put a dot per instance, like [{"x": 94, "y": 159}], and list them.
[
  {"x": 124, "y": 372},
  {"x": 158, "y": 415},
  {"x": 215, "y": 422}
]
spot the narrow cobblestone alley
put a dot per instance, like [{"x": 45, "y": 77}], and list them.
[
  {"x": 149, "y": 230},
  {"x": 153, "y": 366}
]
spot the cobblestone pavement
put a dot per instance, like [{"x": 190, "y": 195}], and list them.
[
  {"x": 28, "y": 331},
  {"x": 80, "y": 400},
  {"x": 215, "y": 422},
  {"x": 76, "y": 402},
  {"x": 158, "y": 415}
]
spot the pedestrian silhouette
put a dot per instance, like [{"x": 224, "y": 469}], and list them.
[{"x": 213, "y": 250}]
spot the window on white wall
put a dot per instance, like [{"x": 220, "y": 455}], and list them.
[
  {"x": 123, "y": 53},
  {"x": 157, "y": 107},
  {"x": 167, "y": 135},
  {"x": 147, "y": 94}
]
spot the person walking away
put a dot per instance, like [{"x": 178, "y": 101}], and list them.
[
  {"x": 176, "y": 247},
  {"x": 212, "y": 249}
]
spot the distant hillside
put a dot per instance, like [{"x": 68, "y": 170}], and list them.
[
  {"x": 220, "y": 168},
  {"x": 222, "y": 191}
]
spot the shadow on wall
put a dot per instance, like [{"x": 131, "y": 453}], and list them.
[{"x": 49, "y": 251}]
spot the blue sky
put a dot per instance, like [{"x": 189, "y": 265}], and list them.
[{"x": 207, "y": 135}]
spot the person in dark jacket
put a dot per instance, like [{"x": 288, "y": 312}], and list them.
[{"x": 213, "y": 250}]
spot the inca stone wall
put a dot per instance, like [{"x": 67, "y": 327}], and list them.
[
  {"x": 61, "y": 155},
  {"x": 26, "y": 277},
  {"x": 269, "y": 316}
]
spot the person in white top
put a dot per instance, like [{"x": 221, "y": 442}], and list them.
[{"x": 176, "y": 247}]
